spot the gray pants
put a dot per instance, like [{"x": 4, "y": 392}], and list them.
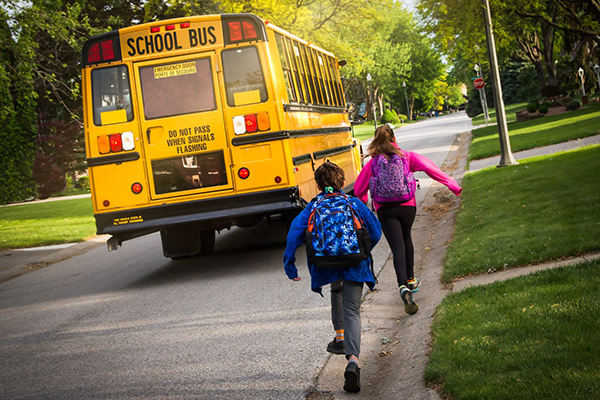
[{"x": 345, "y": 313}]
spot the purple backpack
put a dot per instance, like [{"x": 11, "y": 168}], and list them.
[{"x": 392, "y": 181}]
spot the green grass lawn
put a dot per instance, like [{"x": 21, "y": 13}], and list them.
[
  {"x": 46, "y": 223},
  {"x": 533, "y": 337},
  {"x": 542, "y": 209},
  {"x": 509, "y": 110},
  {"x": 544, "y": 131}
]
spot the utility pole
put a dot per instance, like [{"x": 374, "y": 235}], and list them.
[
  {"x": 506, "y": 156},
  {"x": 372, "y": 101}
]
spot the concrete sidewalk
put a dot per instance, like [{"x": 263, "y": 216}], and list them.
[{"x": 476, "y": 165}]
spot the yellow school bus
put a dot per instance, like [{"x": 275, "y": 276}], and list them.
[{"x": 202, "y": 123}]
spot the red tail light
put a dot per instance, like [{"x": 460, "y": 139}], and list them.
[
  {"x": 243, "y": 173},
  {"x": 115, "y": 143},
  {"x": 170, "y": 27},
  {"x": 185, "y": 25},
  {"x": 251, "y": 124},
  {"x": 155, "y": 29},
  {"x": 136, "y": 188}
]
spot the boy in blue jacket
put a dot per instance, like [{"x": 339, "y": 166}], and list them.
[{"x": 346, "y": 283}]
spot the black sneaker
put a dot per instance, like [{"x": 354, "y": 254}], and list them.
[
  {"x": 336, "y": 347},
  {"x": 409, "y": 305},
  {"x": 352, "y": 376}
]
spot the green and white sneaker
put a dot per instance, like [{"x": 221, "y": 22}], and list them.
[
  {"x": 409, "y": 305},
  {"x": 413, "y": 284}
]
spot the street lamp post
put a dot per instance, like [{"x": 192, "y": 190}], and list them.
[
  {"x": 580, "y": 72},
  {"x": 482, "y": 94},
  {"x": 372, "y": 102},
  {"x": 406, "y": 97},
  {"x": 597, "y": 71}
]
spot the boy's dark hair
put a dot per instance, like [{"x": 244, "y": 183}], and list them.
[{"x": 329, "y": 174}]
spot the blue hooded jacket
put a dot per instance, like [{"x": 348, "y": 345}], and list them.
[{"x": 324, "y": 276}]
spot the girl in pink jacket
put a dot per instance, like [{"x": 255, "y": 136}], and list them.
[{"x": 397, "y": 219}]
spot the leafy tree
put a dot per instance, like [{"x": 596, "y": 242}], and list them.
[{"x": 17, "y": 111}]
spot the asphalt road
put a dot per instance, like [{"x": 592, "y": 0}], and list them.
[{"x": 132, "y": 324}]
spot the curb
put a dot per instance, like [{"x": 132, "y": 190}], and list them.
[{"x": 17, "y": 262}]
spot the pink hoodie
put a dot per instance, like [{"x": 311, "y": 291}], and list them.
[{"x": 416, "y": 163}]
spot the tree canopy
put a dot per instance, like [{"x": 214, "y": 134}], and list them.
[{"x": 40, "y": 50}]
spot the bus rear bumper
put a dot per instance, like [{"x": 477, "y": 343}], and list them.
[{"x": 217, "y": 213}]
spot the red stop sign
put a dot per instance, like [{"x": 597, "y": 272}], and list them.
[{"x": 479, "y": 83}]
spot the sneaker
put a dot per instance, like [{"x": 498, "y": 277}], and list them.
[
  {"x": 409, "y": 305},
  {"x": 336, "y": 347},
  {"x": 413, "y": 284},
  {"x": 352, "y": 378}
]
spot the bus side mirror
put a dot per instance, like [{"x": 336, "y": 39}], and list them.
[{"x": 350, "y": 107}]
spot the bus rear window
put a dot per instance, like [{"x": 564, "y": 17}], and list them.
[
  {"x": 177, "y": 88},
  {"x": 244, "y": 78},
  {"x": 111, "y": 96}
]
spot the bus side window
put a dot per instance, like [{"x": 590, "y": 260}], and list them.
[
  {"x": 287, "y": 71},
  {"x": 244, "y": 77},
  {"x": 111, "y": 92}
]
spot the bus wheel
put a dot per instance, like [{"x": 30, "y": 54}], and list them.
[{"x": 207, "y": 242}]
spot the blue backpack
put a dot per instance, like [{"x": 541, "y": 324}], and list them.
[
  {"x": 392, "y": 181},
  {"x": 336, "y": 236}
]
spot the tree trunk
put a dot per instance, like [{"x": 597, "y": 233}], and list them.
[
  {"x": 548, "y": 40},
  {"x": 531, "y": 47}
]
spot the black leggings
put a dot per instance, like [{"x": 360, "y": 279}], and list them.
[{"x": 396, "y": 223}]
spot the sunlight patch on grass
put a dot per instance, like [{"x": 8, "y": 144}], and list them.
[{"x": 543, "y": 209}]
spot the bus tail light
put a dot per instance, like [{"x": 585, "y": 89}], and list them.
[
  {"x": 243, "y": 173},
  {"x": 262, "y": 119},
  {"x": 116, "y": 144},
  {"x": 137, "y": 188},
  {"x": 127, "y": 140},
  {"x": 239, "y": 125},
  {"x": 251, "y": 124},
  {"x": 155, "y": 29},
  {"x": 103, "y": 144},
  {"x": 185, "y": 25}
]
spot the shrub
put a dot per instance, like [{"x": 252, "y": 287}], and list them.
[
  {"x": 545, "y": 103},
  {"x": 572, "y": 105},
  {"x": 48, "y": 177},
  {"x": 389, "y": 116},
  {"x": 532, "y": 107},
  {"x": 543, "y": 109},
  {"x": 402, "y": 117},
  {"x": 83, "y": 182}
]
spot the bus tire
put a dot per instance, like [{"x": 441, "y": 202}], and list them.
[{"x": 207, "y": 242}]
